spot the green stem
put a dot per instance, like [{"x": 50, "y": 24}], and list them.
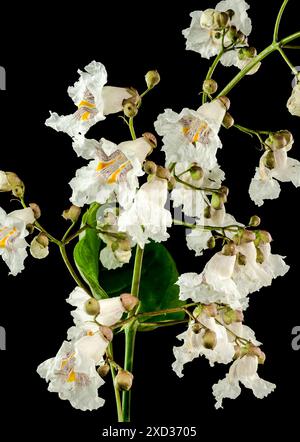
[
  {"x": 117, "y": 391},
  {"x": 211, "y": 71},
  {"x": 288, "y": 62},
  {"x": 71, "y": 269},
  {"x": 191, "y": 186},
  {"x": 67, "y": 232},
  {"x": 131, "y": 128},
  {"x": 70, "y": 238},
  {"x": 278, "y": 20},
  {"x": 263, "y": 54},
  {"x": 291, "y": 47},
  {"x": 130, "y": 331},
  {"x": 252, "y": 132},
  {"x": 196, "y": 226}
]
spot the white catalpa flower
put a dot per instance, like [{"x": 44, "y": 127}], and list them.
[
  {"x": 198, "y": 238},
  {"x": 204, "y": 38},
  {"x": 214, "y": 284},
  {"x": 253, "y": 275},
  {"x": 192, "y": 136},
  {"x": 108, "y": 311},
  {"x": 225, "y": 281},
  {"x": 113, "y": 169},
  {"x": 238, "y": 59},
  {"x": 118, "y": 245},
  {"x": 147, "y": 217},
  {"x": 93, "y": 101},
  {"x": 72, "y": 373},
  {"x": 293, "y": 103},
  {"x": 192, "y": 200},
  {"x": 193, "y": 345},
  {"x": 12, "y": 234},
  {"x": 265, "y": 184},
  {"x": 244, "y": 371}
]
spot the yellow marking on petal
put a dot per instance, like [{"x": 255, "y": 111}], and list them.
[
  {"x": 85, "y": 103},
  {"x": 185, "y": 130},
  {"x": 104, "y": 165},
  {"x": 114, "y": 176},
  {"x": 72, "y": 376},
  {"x": 90, "y": 333},
  {"x": 4, "y": 240},
  {"x": 85, "y": 116}
]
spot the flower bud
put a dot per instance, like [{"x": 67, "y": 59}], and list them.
[
  {"x": 247, "y": 52},
  {"x": 247, "y": 236},
  {"x": 231, "y": 33},
  {"x": 209, "y": 339},
  {"x": 224, "y": 190},
  {"x": 171, "y": 183},
  {"x": 92, "y": 307},
  {"x": 253, "y": 350},
  {"x": 210, "y": 310},
  {"x": 259, "y": 256},
  {"x": 218, "y": 200},
  {"x": 229, "y": 249},
  {"x": 130, "y": 109},
  {"x": 36, "y": 210},
  {"x": 278, "y": 140},
  {"x": 196, "y": 328},
  {"x": 230, "y": 316},
  {"x": 72, "y": 214},
  {"x": 196, "y": 172},
  {"x": 152, "y": 79},
  {"x": 129, "y": 301},
  {"x": 269, "y": 160},
  {"x": 162, "y": 172},
  {"x": 107, "y": 333},
  {"x": 264, "y": 236},
  {"x": 241, "y": 259},
  {"x": 124, "y": 244},
  {"x": 225, "y": 101},
  {"x": 240, "y": 37},
  {"x": 254, "y": 221},
  {"x": 289, "y": 138},
  {"x": 124, "y": 380},
  {"x": 17, "y": 185},
  {"x": 103, "y": 370},
  {"x": 39, "y": 246},
  {"x": 4, "y": 183},
  {"x": 230, "y": 12},
  {"x": 151, "y": 139},
  {"x": 207, "y": 212},
  {"x": 210, "y": 86},
  {"x": 150, "y": 167},
  {"x": 228, "y": 121},
  {"x": 211, "y": 243}
]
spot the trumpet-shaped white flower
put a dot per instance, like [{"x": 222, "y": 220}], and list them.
[
  {"x": 225, "y": 281},
  {"x": 201, "y": 36},
  {"x": 265, "y": 184},
  {"x": 253, "y": 275},
  {"x": 244, "y": 371},
  {"x": 72, "y": 372},
  {"x": 193, "y": 345},
  {"x": 113, "y": 170},
  {"x": 93, "y": 101},
  {"x": 192, "y": 200},
  {"x": 147, "y": 217},
  {"x": 198, "y": 238},
  {"x": 110, "y": 310},
  {"x": 12, "y": 234},
  {"x": 192, "y": 136},
  {"x": 293, "y": 103}
]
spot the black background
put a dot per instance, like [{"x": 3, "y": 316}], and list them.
[{"x": 41, "y": 48}]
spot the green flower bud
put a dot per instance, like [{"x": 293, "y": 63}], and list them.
[
  {"x": 247, "y": 236},
  {"x": 36, "y": 210},
  {"x": 103, "y": 370},
  {"x": 196, "y": 328},
  {"x": 151, "y": 139},
  {"x": 211, "y": 243},
  {"x": 229, "y": 249},
  {"x": 209, "y": 339},
  {"x": 196, "y": 172},
  {"x": 171, "y": 183},
  {"x": 254, "y": 221},
  {"x": 269, "y": 160},
  {"x": 162, "y": 172},
  {"x": 210, "y": 310},
  {"x": 152, "y": 79},
  {"x": 92, "y": 307},
  {"x": 221, "y": 20},
  {"x": 210, "y": 86},
  {"x": 124, "y": 380},
  {"x": 225, "y": 101},
  {"x": 228, "y": 121},
  {"x": 241, "y": 259},
  {"x": 150, "y": 167},
  {"x": 130, "y": 109},
  {"x": 263, "y": 236},
  {"x": 230, "y": 12}
]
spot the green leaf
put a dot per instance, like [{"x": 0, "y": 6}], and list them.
[
  {"x": 86, "y": 253},
  {"x": 157, "y": 289}
]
